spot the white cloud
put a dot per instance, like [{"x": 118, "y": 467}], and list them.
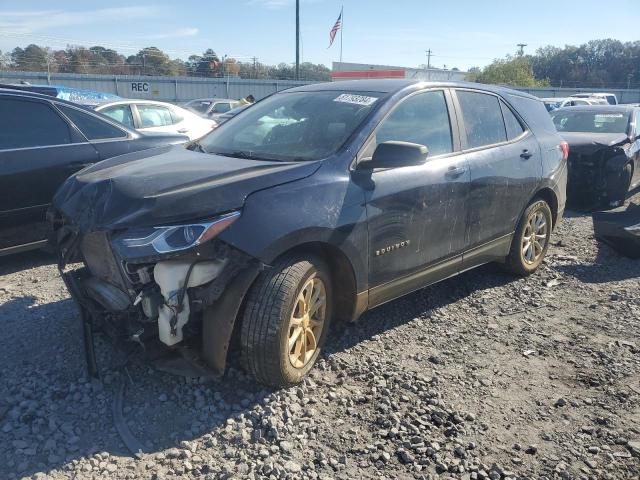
[
  {"x": 21, "y": 22},
  {"x": 181, "y": 32}
]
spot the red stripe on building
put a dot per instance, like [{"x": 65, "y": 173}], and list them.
[{"x": 397, "y": 73}]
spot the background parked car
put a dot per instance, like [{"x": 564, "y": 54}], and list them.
[
  {"x": 42, "y": 141},
  {"x": 604, "y": 158},
  {"x": 153, "y": 116},
  {"x": 610, "y": 98},
  {"x": 576, "y": 102},
  {"x": 76, "y": 95},
  {"x": 224, "y": 117},
  {"x": 552, "y": 103},
  {"x": 211, "y": 107}
]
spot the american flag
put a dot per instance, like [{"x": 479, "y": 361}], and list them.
[{"x": 334, "y": 30}]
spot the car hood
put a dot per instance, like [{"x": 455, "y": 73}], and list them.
[
  {"x": 590, "y": 143},
  {"x": 166, "y": 185}
]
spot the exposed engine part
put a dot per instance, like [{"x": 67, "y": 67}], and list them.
[
  {"x": 109, "y": 296},
  {"x": 151, "y": 301},
  {"x": 174, "y": 277},
  {"x": 138, "y": 274}
]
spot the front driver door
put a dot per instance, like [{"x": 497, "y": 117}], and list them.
[{"x": 416, "y": 215}]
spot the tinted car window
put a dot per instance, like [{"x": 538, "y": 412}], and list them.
[
  {"x": 26, "y": 124},
  {"x": 92, "y": 127},
  {"x": 221, "y": 108},
  {"x": 154, "y": 116},
  {"x": 200, "y": 106},
  {"x": 511, "y": 122},
  {"x": 120, "y": 113},
  {"x": 482, "y": 119},
  {"x": 422, "y": 119}
]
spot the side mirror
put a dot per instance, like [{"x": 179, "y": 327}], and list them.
[{"x": 397, "y": 154}]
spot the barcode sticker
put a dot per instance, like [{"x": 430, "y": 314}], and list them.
[{"x": 355, "y": 99}]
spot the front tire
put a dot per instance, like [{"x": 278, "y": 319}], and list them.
[
  {"x": 286, "y": 319},
  {"x": 618, "y": 192},
  {"x": 531, "y": 239}
]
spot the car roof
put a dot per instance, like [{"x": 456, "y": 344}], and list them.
[
  {"x": 212, "y": 100},
  {"x": 396, "y": 85},
  {"x": 599, "y": 108},
  {"x": 41, "y": 96},
  {"x": 136, "y": 100}
]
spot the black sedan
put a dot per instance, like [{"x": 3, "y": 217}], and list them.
[
  {"x": 604, "y": 158},
  {"x": 43, "y": 140}
]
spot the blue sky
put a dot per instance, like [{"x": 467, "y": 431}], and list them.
[{"x": 463, "y": 33}]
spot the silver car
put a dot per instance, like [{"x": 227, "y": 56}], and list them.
[{"x": 211, "y": 107}]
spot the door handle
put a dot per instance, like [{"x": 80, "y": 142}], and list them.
[
  {"x": 454, "y": 171},
  {"x": 183, "y": 130},
  {"x": 526, "y": 154}
]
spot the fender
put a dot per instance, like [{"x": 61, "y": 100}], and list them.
[{"x": 219, "y": 319}]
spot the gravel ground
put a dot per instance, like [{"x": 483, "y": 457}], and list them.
[{"x": 481, "y": 376}]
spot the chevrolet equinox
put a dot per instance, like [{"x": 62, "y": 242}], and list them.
[{"x": 315, "y": 204}]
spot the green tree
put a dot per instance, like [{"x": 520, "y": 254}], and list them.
[
  {"x": 152, "y": 61},
  {"x": 30, "y": 59},
  {"x": 515, "y": 71}
]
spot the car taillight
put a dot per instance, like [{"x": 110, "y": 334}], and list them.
[{"x": 564, "y": 147}]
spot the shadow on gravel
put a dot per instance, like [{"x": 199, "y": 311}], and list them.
[
  {"x": 419, "y": 304},
  {"x": 57, "y": 417},
  {"x": 608, "y": 266},
  {"x": 24, "y": 261}
]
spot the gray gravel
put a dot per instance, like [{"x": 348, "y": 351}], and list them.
[{"x": 482, "y": 376}]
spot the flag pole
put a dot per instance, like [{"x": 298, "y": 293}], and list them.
[{"x": 341, "y": 29}]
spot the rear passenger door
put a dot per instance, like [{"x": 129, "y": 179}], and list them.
[
  {"x": 505, "y": 169},
  {"x": 39, "y": 149}
]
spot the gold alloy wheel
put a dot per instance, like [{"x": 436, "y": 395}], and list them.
[
  {"x": 307, "y": 322},
  {"x": 534, "y": 238}
]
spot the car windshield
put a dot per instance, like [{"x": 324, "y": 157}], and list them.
[
  {"x": 295, "y": 126},
  {"x": 591, "y": 121},
  {"x": 198, "y": 105}
]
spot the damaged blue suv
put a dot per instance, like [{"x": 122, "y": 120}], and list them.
[{"x": 313, "y": 205}]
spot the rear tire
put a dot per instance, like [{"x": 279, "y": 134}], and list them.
[
  {"x": 286, "y": 320},
  {"x": 531, "y": 239}
]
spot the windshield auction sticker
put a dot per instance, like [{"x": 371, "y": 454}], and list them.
[{"x": 355, "y": 99}]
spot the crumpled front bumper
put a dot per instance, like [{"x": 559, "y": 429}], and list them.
[{"x": 129, "y": 304}]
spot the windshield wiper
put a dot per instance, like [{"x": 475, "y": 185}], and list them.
[{"x": 246, "y": 155}]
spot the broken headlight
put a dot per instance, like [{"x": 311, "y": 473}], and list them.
[{"x": 151, "y": 241}]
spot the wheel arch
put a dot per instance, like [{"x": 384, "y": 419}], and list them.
[
  {"x": 342, "y": 273},
  {"x": 222, "y": 321},
  {"x": 548, "y": 195}
]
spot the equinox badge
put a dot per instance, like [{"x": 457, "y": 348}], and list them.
[{"x": 391, "y": 248}]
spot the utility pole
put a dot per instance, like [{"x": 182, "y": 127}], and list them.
[
  {"x": 297, "y": 39},
  {"x": 255, "y": 74},
  {"x": 429, "y": 53},
  {"x": 521, "y": 46}
]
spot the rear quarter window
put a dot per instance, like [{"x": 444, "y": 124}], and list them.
[{"x": 533, "y": 112}]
